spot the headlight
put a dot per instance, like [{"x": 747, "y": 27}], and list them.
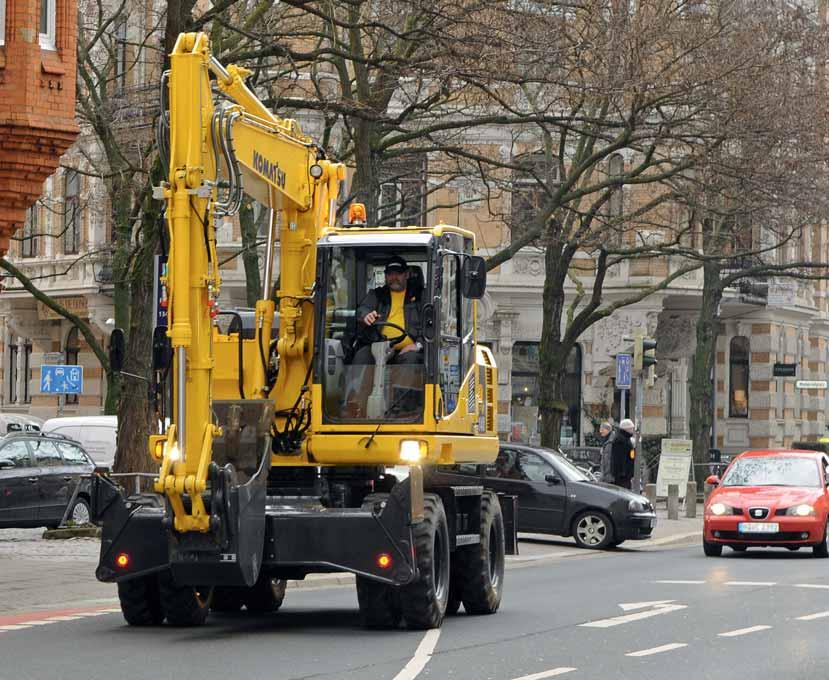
[
  {"x": 639, "y": 505},
  {"x": 412, "y": 450},
  {"x": 718, "y": 509},
  {"x": 802, "y": 510}
]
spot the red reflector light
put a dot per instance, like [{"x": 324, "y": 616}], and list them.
[
  {"x": 384, "y": 561},
  {"x": 123, "y": 560}
]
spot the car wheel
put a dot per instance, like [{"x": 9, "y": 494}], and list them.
[
  {"x": 822, "y": 549},
  {"x": 711, "y": 549},
  {"x": 593, "y": 529},
  {"x": 79, "y": 515}
]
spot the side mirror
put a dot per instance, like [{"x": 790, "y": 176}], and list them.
[
  {"x": 6, "y": 464},
  {"x": 117, "y": 348},
  {"x": 712, "y": 480},
  {"x": 474, "y": 277},
  {"x": 162, "y": 352},
  {"x": 429, "y": 325},
  {"x": 552, "y": 479}
]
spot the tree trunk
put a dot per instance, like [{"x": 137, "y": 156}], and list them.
[
  {"x": 250, "y": 253},
  {"x": 552, "y": 355},
  {"x": 365, "y": 187},
  {"x": 702, "y": 389}
]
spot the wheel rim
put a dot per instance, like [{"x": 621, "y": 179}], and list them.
[
  {"x": 591, "y": 530},
  {"x": 80, "y": 514},
  {"x": 494, "y": 575},
  {"x": 439, "y": 573}
]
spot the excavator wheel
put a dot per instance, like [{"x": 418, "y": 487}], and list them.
[
  {"x": 424, "y": 601},
  {"x": 266, "y": 595},
  {"x": 184, "y": 605},
  {"x": 379, "y": 602},
  {"x": 141, "y": 601},
  {"x": 481, "y": 567}
]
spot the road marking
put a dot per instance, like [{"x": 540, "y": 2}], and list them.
[
  {"x": 751, "y": 583},
  {"x": 630, "y": 606},
  {"x": 638, "y": 616},
  {"x": 658, "y": 650},
  {"x": 812, "y": 617},
  {"x": 682, "y": 583},
  {"x": 810, "y": 585},
  {"x": 421, "y": 656},
  {"x": 19, "y": 626},
  {"x": 65, "y": 618},
  {"x": 743, "y": 631},
  {"x": 547, "y": 674}
]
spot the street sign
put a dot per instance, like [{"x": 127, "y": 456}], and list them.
[
  {"x": 811, "y": 384},
  {"x": 61, "y": 379},
  {"x": 623, "y": 366},
  {"x": 52, "y": 357},
  {"x": 784, "y": 370}
]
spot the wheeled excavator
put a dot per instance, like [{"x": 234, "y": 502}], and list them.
[{"x": 283, "y": 455}]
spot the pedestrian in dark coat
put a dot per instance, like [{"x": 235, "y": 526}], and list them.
[
  {"x": 605, "y": 472},
  {"x": 623, "y": 454}
]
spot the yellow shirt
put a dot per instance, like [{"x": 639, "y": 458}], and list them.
[{"x": 398, "y": 318}]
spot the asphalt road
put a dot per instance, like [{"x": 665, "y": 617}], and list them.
[{"x": 762, "y": 614}]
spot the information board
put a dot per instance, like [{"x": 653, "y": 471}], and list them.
[{"x": 674, "y": 466}]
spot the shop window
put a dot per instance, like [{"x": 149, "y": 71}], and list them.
[
  {"x": 27, "y": 373},
  {"x": 738, "y": 377},
  {"x": 13, "y": 374}
]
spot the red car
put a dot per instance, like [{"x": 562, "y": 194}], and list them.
[{"x": 769, "y": 498}]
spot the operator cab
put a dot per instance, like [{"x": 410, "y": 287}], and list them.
[{"x": 384, "y": 372}]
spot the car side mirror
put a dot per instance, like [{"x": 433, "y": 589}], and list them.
[
  {"x": 6, "y": 464},
  {"x": 429, "y": 325},
  {"x": 552, "y": 479},
  {"x": 712, "y": 480},
  {"x": 473, "y": 274}
]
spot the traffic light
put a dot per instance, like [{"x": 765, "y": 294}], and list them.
[{"x": 644, "y": 352}]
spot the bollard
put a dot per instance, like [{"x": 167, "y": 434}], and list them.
[
  {"x": 650, "y": 493},
  {"x": 691, "y": 500},
  {"x": 673, "y": 501}
]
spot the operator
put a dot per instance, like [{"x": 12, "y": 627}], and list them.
[{"x": 395, "y": 303}]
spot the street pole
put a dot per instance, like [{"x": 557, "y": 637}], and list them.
[
  {"x": 638, "y": 467},
  {"x": 622, "y": 399}
]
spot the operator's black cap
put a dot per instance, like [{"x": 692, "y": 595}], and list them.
[{"x": 396, "y": 264}]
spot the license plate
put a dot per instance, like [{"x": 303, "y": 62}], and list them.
[{"x": 758, "y": 527}]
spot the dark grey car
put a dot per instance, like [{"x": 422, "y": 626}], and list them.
[
  {"x": 38, "y": 477},
  {"x": 555, "y": 497}
]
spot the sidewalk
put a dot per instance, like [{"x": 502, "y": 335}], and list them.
[{"x": 48, "y": 574}]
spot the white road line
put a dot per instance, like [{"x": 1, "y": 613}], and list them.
[
  {"x": 421, "y": 656},
  {"x": 39, "y": 623},
  {"x": 812, "y": 617},
  {"x": 682, "y": 583},
  {"x": 14, "y": 626},
  {"x": 547, "y": 674},
  {"x": 743, "y": 631},
  {"x": 64, "y": 618},
  {"x": 811, "y": 585},
  {"x": 658, "y": 650},
  {"x": 751, "y": 583},
  {"x": 638, "y": 616}
]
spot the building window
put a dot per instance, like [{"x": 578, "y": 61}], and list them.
[
  {"x": 48, "y": 21},
  {"x": 531, "y": 182},
  {"x": 738, "y": 377},
  {"x": 72, "y": 351},
  {"x": 71, "y": 213},
  {"x": 616, "y": 203},
  {"x": 29, "y": 245},
  {"x": 403, "y": 193},
  {"x": 13, "y": 374},
  {"x": 121, "y": 55},
  {"x": 2, "y": 22},
  {"x": 27, "y": 373}
]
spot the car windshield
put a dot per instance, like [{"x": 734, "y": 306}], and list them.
[
  {"x": 777, "y": 471},
  {"x": 565, "y": 468}
]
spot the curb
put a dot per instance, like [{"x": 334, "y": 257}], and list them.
[{"x": 72, "y": 532}]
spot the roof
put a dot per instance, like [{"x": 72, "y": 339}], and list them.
[
  {"x": 361, "y": 237},
  {"x": 796, "y": 453}
]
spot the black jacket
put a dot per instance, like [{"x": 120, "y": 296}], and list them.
[
  {"x": 621, "y": 464},
  {"x": 379, "y": 300}
]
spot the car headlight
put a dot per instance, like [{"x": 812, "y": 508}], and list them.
[
  {"x": 719, "y": 509},
  {"x": 802, "y": 510},
  {"x": 639, "y": 505}
]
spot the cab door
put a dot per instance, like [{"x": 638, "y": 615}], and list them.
[
  {"x": 19, "y": 485},
  {"x": 56, "y": 482}
]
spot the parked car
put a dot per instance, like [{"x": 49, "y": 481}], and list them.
[
  {"x": 38, "y": 477},
  {"x": 97, "y": 434},
  {"x": 19, "y": 422},
  {"x": 769, "y": 498},
  {"x": 555, "y": 497}
]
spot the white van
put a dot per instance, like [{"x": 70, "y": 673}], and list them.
[
  {"x": 96, "y": 434},
  {"x": 19, "y": 422}
]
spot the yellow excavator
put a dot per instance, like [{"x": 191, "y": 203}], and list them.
[{"x": 310, "y": 434}]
